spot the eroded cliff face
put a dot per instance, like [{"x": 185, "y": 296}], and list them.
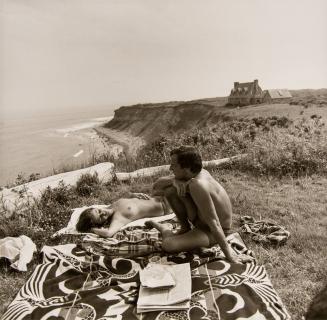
[{"x": 151, "y": 121}]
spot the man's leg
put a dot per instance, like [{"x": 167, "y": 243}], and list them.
[
  {"x": 191, "y": 208},
  {"x": 165, "y": 231},
  {"x": 192, "y": 239},
  {"x": 178, "y": 207}
]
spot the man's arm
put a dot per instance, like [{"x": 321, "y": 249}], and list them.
[
  {"x": 161, "y": 184},
  {"x": 203, "y": 201}
]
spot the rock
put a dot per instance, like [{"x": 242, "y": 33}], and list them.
[
  {"x": 318, "y": 307},
  {"x": 16, "y": 197}
]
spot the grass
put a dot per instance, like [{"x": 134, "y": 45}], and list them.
[
  {"x": 283, "y": 179},
  {"x": 297, "y": 269},
  {"x": 294, "y": 111}
]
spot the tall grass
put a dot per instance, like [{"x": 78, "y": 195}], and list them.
[{"x": 275, "y": 146}]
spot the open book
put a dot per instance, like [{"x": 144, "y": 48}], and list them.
[{"x": 175, "y": 297}]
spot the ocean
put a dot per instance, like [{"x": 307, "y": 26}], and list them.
[{"x": 45, "y": 143}]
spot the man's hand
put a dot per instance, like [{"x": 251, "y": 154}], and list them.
[
  {"x": 240, "y": 258},
  {"x": 140, "y": 195}
]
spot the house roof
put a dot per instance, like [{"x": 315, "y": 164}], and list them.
[
  {"x": 243, "y": 89},
  {"x": 278, "y": 93},
  {"x": 245, "y": 84}
]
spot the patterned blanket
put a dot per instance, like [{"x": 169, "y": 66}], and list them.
[{"x": 99, "y": 279}]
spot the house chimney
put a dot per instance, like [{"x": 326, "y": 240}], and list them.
[
  {"x": 255, "y": 83},
  {"x": 236, "y": 84}
]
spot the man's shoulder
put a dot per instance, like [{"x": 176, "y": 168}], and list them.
[
  {"x": 203, "y": 181},
  {"x": 197, "y": 184},
  {"x": 202, "y": 177}
]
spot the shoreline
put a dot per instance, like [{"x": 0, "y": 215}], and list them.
[
  {"x": 122, "y": 140},
  {"x": 51, "y": 153},
  {"x": 73, "y": 150}
]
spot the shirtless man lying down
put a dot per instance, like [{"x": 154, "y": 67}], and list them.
[{"x": 106, "y": 222}]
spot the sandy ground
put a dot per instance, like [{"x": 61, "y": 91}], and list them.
[{"x": 120, "y": 141}]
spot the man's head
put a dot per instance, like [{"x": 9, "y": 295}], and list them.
[
  {"x": 185, "y": 161},
  {"x": 92, "y": 217}
]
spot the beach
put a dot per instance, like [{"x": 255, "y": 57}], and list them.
[{"x": 122, "y": 141}]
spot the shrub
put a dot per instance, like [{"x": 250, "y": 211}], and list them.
[
  {"x": 287, "y": 152},
  {"x": 61, "y": 195},
  {"x": 52, "y": 210},
  {"x": 87, "y": 184},
  {"x": 275, "y": 146}
]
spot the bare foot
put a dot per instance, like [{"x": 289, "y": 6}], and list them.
[
  {"x": 153, "y": 224},
  {"x": 164, "y": 229}
]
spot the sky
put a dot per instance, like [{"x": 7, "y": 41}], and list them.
[{"x": 72, "y": 54}]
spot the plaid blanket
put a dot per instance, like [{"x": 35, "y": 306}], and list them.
[
  {"x": 82, "y": 281},
  {"x": 130, "y": 242}
]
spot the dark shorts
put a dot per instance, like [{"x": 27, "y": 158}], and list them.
[{"x": 227, "y": 231}]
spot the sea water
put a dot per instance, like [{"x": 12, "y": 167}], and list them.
[{"x": 46, "y": 143}]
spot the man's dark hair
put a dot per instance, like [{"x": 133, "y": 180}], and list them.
[
  {"x": 85, "y": 222},
  {"x": 188, "y": 157}
]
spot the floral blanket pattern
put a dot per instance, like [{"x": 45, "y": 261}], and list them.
[{"x": 81, "y": 281}]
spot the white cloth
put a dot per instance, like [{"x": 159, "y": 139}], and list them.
[{"x": 18, "y": 250}]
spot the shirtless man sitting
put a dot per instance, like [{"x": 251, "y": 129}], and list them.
[
  {"x": 107, "y": 221},
  {"x": 200, "y": 203}
]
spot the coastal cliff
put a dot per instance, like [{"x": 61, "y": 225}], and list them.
[
  {"x": 151, "y": 120},
  {"x": 148, "y": 121}
]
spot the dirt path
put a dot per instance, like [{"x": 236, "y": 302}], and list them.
[{"x": 129, "y": 143}]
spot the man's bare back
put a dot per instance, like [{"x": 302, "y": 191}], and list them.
[{"x": 219, "y": 198}]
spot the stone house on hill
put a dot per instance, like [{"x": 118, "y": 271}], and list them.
[
  {"x": 245, "y": 94},
  {"x": 276, "y": 96}
]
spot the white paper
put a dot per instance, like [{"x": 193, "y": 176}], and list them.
[
  {"x": 163, "y": 298},
  {"x": 156, "y": 276}
]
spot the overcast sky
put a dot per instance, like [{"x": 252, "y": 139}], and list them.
[{"x": 75, "y": 53}]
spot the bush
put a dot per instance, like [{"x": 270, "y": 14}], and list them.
[
  {"x": 295, "y": 152},
  {"x": 53, "y": 208},
  {"x": 61, "y": 195},
  {"x": 87, "y": 184},
  {"x": 275, "y": 145}
]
